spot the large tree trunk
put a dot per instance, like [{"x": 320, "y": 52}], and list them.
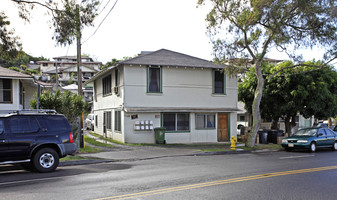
[
  {"x": 274, "y": 124},
  {"x": 256, "y": 106},
  {"x": 289, "y": 124}
]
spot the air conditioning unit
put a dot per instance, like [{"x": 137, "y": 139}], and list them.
[{"x": 116, "y": 90}]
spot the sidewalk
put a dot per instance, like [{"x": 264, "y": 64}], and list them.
[{"x": 131, "y": 153}]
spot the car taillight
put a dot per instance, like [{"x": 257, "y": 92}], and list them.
[{"x": 71, "y": 138}]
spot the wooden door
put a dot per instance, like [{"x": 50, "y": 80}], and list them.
[{"x": 223, "y": 127}]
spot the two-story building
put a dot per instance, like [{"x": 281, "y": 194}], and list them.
[
  {"x": 192, "y": 98},
  {"x": 66, "y": 69}
]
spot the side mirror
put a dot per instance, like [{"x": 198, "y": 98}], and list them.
[{"x": 320, "y": 134}]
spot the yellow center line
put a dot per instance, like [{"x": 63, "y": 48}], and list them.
[{"x": 214, "y": 183}]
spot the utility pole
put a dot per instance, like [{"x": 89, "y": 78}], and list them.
[
  {"x": 79, "y": 58},
  {"x": 79, "y": 72}
]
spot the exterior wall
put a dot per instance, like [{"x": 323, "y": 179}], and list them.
[
  {"x": 192, "y": 136},
  {"x": 110, "y": 102},
  {"x": 15, "y": 105},
  {"x": 181, "y": 88},
  {"x": 30, "y": 91}
]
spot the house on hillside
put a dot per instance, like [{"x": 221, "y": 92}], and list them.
[
  {"x": 188, "y": 96},
  {"x": 16, "y": 90},
  {"x": 66, "y": 69}
]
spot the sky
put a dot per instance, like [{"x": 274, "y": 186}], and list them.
[{"x": 131, "y": 27}]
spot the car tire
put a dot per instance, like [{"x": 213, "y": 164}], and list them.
[
  {"x": 334, "y": 146},
  {"x": 45, "y": 160},
  {"x": 92, "y": 128},
  {"x": 313, "y": 147}
]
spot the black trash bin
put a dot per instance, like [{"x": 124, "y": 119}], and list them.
[
  {"x": 263, "y": 137},
  {"x": 274, "y": 134}
]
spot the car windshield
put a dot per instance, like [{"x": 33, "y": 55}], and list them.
[{"x": 306, "y": 132}]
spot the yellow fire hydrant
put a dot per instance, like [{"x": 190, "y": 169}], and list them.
[{"x": 233, "y": 140}]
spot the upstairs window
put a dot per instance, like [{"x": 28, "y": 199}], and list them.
[
  {"x": 5, "y": 90},
  {"x": 219, "y": 82},
  {"x": 106, "y": 82},
  {"x": 154, "y": 80}
]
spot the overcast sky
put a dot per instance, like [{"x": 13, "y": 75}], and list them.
[{"x": 131, "y": 27}]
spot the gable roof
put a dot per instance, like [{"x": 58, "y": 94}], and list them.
[
  {"x": 164, "y": 57},
  {"x": 7, "y": 73}
]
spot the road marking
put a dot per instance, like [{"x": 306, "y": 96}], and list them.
[
  {"x": 290, "y": 157},
  {"x": 214, "y": 183}
]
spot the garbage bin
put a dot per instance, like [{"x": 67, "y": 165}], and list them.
[
  {"x": 263, "y": 137},
  {"x": 159, "y": 134}
]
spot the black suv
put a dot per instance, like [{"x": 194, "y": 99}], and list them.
[{"x": 35, "y": 139}]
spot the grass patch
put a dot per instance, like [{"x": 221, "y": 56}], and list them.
[
  {"x": 111, "y": 140},
  {"x": 89, "y": 149},
  {"x": 71, "y": 158},
  {"x": 95, "y": 142}
]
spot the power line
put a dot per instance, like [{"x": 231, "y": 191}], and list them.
[{"x": 102, "y": 21}]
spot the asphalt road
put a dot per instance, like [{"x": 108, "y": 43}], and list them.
[{"x": 275, "y": 175}]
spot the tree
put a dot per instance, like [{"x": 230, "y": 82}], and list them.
[
  {"x": 253, "y": 27},
  {"x": 9, "y": 44},
  {"x": 297, "y": 90},
  {"x": 67, "y": 103}
]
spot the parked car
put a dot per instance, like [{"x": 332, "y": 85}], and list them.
[
  {"x": 311, "y": 139},
  {"x": 90, "y": 122},
  {"x": 35, "y": 140}
]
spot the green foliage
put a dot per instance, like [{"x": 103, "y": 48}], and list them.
[
  {"x": 69, "y": 21},
  {"x": 69, "y": 104},
  {"x": 9, "y": 44},
  {"x": 114, "y": 62},
  {"x": 305, "y": 90},
  {"x": 253, "y": 26}
]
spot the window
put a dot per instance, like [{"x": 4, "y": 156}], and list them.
[
  {"x": 176, "y": 121},
  {"x": 23, "y": 125},
  {"x": 95, "y": 91},
  {"x": 107, "y": 119},
  {"x": 205, "y": 121},
  {"x": 106, "y": 82},
  {"x": 21, "y": 93},
  {"x": 1, "y": 127},
  {"x": 116, "y": 78},
  {"x": 242, "y": 118},
  {"x": 55, "y": 123},
  {"x": 154, "y": 80},
  {"x": 96, "y": 120},
  {"x": 5, "y": 90},
  {"x": 219, "y": 82},
  {"x": 118, "y": 122}
]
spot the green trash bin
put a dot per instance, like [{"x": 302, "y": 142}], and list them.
[{"x": 159, "y": 134}]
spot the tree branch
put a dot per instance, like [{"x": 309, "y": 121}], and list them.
[{"x": 35, "y": 2}]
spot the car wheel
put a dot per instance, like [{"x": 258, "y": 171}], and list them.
[
  {"x": 92, "y": 128},
  {"x": 46, "y": 160},
  {"x": 313, "y": 147},
  {"x": 334, "y": 146}
]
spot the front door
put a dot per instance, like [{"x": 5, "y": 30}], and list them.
[{"x": 223, "y": 127}]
